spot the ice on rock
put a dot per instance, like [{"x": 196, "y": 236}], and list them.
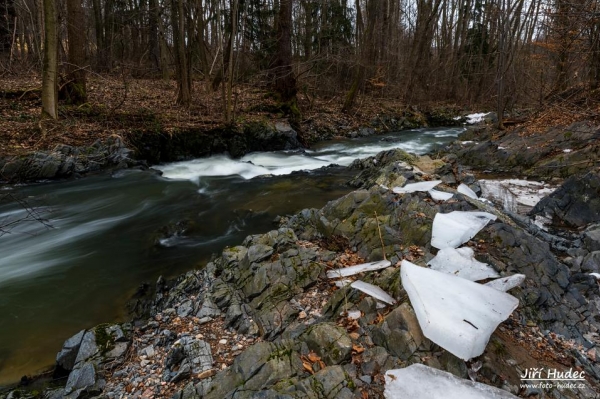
[
  {"x": 363, "y": 267},
  {"x": 461, "y": 262},
  {"x": 457, "y": 314},
  {"x": 440, "y": 195},
  {"x": 420, "y": 186},
  {"x": 507, "y": 283},
  {"x": 464, "y": 189},
  {"x": 422, "y": 382},
  {"x": 343, "y": 282},
  {"x": 455, "y": 228},
  {"x": 374, "y": 291},
  {"x": 595, "y": 275}
]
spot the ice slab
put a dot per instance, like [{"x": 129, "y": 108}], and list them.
[
  {"x": 374, "y": 291},
  {"x": 343, "y": 282},
  {"x": 354, "y": 314},
  {"x": 461, "y": 262},
  {"x": 476, "y": 118},
  {"x": 363, "y": 267},
  {"x": 440, "y": 195},
  {"x": 422, "y": 382},
  {"x": 506, "y": 283},
  {"x": 466, "y": 190},
  {"x": 596, "y": 275},
  {"x": 455, "y": 228},
  {"x": 420, "y": 186},
  {"x": 457, "y": 314}
]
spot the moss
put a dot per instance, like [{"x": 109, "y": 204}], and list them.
[
  {"x": 498, "y": 348},
  {"x": 104, "y": 339}
]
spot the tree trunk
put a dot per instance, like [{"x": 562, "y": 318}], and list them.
[
  {"x": 153, "y": 15},
  {"x": 182, "y": 70},
  {"x": 284, "y": 81},
  {"x": 365, "y": 52},
  {"x": 50, "y": 71},
  {"x": 76, "y": 78}
]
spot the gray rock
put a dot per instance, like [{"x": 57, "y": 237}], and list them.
[
  {"x": 88, "y": 347},
  {"x": 575, "y": 203},
  {"x": 183, "y": 373},
  {"x": 83, "y": 382},
  {"x": 400, "y": 332},
  {"x": 330, "y": 342},
  {"x": 66, "y": 357},
  {"x": 591, "y": 263}
]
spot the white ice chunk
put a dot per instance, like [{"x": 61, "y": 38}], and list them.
[
  {"x": 457, "y": 314},
  {"x": 461, "y": 262},
  {"x": 420, "y": 186},
  {"x": 506, "y": 283},
  {"x": 342, "y": 283},
  {"x": 374, "y": 291},
  {"x": 476, "y": 118},
  {"x": 567, "y": 150},
  {"x": 464, "y": 189},
  {"x": 422, "y": 382},
  {"x": 437, "y": 195},
  {"x": 354, "y": 314},
  {"x": 363, "y": 267},
  {"x": 596, "y": 275},
  {"x": 455, "y": 228}
]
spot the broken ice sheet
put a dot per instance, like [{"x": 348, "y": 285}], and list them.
[
  {"x": 455, "y": 228},
  {"x": 461, "y": 262},
  {"x": 422, "y": 382},
  {"x": 420, "y": 186},
  {"x": 457, "y": 314},
  {"x": 440, "y": 195},
  {"x": 506, "y": 283},
  {"x": 363, "y": 267},
  {"x": 464, "y": 189},
  {"x": 374, "y": 291},
  {"x": 343, "y": 282}
]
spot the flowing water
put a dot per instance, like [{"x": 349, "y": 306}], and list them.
[{"x": 106, "y": 234}]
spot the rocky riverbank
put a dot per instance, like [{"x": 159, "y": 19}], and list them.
[
  {"x": 261, "y": 320},
  {"x": 141, "y": 147},
  {"x": 556, "y": 152}
]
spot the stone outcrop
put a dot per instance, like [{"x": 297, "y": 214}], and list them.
[
  {"x": 560, "y": 151},
  {"x": 576, "y": 203},
  {"x": 66, "y": 161}
]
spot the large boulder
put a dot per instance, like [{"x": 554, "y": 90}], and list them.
[{"x": 576, "y": 203}]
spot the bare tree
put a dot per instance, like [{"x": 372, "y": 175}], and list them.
[{"x": 50, "y": 72}]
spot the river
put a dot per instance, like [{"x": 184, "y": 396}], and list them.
[{"x": 104, "y": 235}]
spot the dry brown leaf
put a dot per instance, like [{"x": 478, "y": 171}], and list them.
[
  {"x": 313, "y": 357},
  {"x": 308, "y": 367}
]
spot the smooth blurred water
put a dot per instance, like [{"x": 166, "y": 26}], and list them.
[{"x": 105, "y": 234}]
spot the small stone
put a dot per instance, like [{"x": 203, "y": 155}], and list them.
[
  {"x": 354, "y": 336},
  {"x": 223, "y": 342},
  {"x": 302, "y": 315},
  {"x": 199, "y": 336},
  {"x": 367, "y": 379}
]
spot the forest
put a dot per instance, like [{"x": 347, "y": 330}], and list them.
[{"x": 494, "y": 54}]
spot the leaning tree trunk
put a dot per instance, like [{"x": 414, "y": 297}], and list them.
[
  {"x": 75, "y": 89},
  {"x": 50, "y": 71}
]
